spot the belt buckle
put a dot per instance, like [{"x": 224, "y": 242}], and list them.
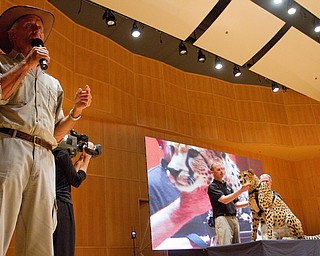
[{"x": 35, "y": 140}]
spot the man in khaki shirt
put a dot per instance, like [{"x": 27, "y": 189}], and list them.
[{"x": 31, "y": 123}]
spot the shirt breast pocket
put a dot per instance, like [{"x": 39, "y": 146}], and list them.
[{"x": 52, "y": 100}]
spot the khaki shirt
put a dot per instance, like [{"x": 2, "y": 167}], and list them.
[{"x": 36, "y": 106}]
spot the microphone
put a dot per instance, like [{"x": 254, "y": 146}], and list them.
[{"x": 39, "y": 43}]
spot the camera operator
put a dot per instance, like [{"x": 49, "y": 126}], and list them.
[{"x": 67, "y": 175}]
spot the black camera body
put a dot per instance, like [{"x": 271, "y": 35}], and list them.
[{"x": 75, "y": 143}]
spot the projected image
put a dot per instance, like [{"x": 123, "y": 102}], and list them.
[{"x": 178, "y": 178}]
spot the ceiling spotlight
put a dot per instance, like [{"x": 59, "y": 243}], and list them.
[
  {"x": 275, "y": 87},
  {"x": 317, "y": 26},
  {"x": 135, "y": 31},
  {"x": 236, "y": 71},
  {"x": 292, "y": 7},
  {"x": 182, "y": 49},
  {"x": 218, "y": 64},
  {"x": 277, "y": 1},
  {"x": 109, "y": 17},
  {"x": 201, "y": 57}
]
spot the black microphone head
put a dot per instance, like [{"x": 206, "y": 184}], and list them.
[{"x": 37, "y": 42}]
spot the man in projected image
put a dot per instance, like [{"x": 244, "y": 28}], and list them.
[
  {"x": 176, "y": 209},
  {"x": 224, "y": 203}
]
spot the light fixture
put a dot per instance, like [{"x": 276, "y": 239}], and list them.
[
  {"x": 218, "y": 64},
  {"x": 109, "y": 17},
  {"x": 135, "y": 31},
  {"x": 275, "y": 87},
  {"x": 201, "y": 57},
  {"x": 316, "y": 26},
  {"x": 277, "y": 1},
  {"x": 292, "y": 8},
  {"x": 182, "y": 49},
  {"x": 284, "y": 88},
  {"x": 236, "y": 71}
]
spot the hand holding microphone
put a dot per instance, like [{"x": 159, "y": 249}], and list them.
[{"x": 39, "y": 43}]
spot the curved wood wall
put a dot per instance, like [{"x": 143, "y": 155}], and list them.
[{"x": 135, "y": 97}]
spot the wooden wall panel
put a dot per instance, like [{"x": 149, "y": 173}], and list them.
[
  {"x": 176, "y": 96},
  {"x": 253, "y": 132},
  {"x": 121, "y": 78},
  {"x": 316, "y": 112},
  {"x": 198, "y": 83},
  {"x": 178, "y": 120},
  {"x": 251, "y": 111},
  {"x": 147, "y": 67},
  {"x": 203, "y": 126},
  {"x": 62, "y": 50},
  {"x": 90, "y": 212},
  {"x": 90, "y": 40},
  {"x": 223, "y": 88},
  {"x": 120, "y": 55},
  {"x": 173, "y": 75},
  {"x": 122, "y": 211},
  {"x": 300, "y": 114},
  {"x": 279, "y": 134},
  {"x": 122, "y": 105},
  {"x": 247, "y": 93},
  {"x": 225, "y": 107},
  {"x": 276, "y": 98},
  {"x": 91, "y": 64},
  {"x": 148, "y": 88},
  {"x": 229, "y": 130},
  {"x": 275, "y": 113},
  {"x": 151, "y": 114},
  {"x": 201, "y": 103},
  {"x": 305, "y": 135}
]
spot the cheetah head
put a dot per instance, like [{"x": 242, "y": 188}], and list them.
[{"x": 248, "y": 177}]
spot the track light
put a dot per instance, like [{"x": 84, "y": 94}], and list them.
[
  {"x": 218, "y": 64},
  {"x": 135, "y": 31},
  {"x": 277, "y": 1},
  {"x": 109, "y": 17},
  {"x": 236, "y": 71},
  {"x": 292, "y": 8},
  {"x": 201, "y": 57},
  {"x": 182, "y": 49},
  {"x": 316, "y": 26},
  {"x": 275, "y": 87}
]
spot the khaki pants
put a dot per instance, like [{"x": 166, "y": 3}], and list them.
[
  {"x": 27, "y": 197},
  {"x": 227, "y": 230}
]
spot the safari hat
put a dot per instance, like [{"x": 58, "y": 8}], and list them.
[{"x": 9, "y": 16}]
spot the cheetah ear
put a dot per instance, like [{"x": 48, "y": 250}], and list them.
[{"x": 251, "y": 171}]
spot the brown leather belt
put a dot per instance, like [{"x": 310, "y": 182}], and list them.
[{"x": 25, "y": 136}]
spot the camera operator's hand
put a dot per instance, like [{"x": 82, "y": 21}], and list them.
[{"x": 85, "y": 158}]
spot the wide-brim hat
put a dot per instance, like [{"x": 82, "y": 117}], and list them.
[{"x": 9, "y": 16}]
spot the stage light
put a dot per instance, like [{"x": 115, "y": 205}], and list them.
[
  {"x": 277, "y": 1},
  {"x": 109, "y": 17},
  {"x": 135, "y": 31},
  {"x": 201, "y": 57},
  {"x": 275, "y": 87},
  {"x": 292, "y": 8},
  {"x": 316, "y": 26},
  {"x": 236, "y": 71},
  {"x": 218, "y": 64},
  {"x": 182, "y": 49}
]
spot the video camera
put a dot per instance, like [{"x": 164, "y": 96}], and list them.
[{"x": 75, "y": 143}]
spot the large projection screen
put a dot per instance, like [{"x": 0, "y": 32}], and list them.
[{"x": 178, "y": 177}]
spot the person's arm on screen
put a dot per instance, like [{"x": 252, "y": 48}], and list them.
[{"x": 170, "y": 219}]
